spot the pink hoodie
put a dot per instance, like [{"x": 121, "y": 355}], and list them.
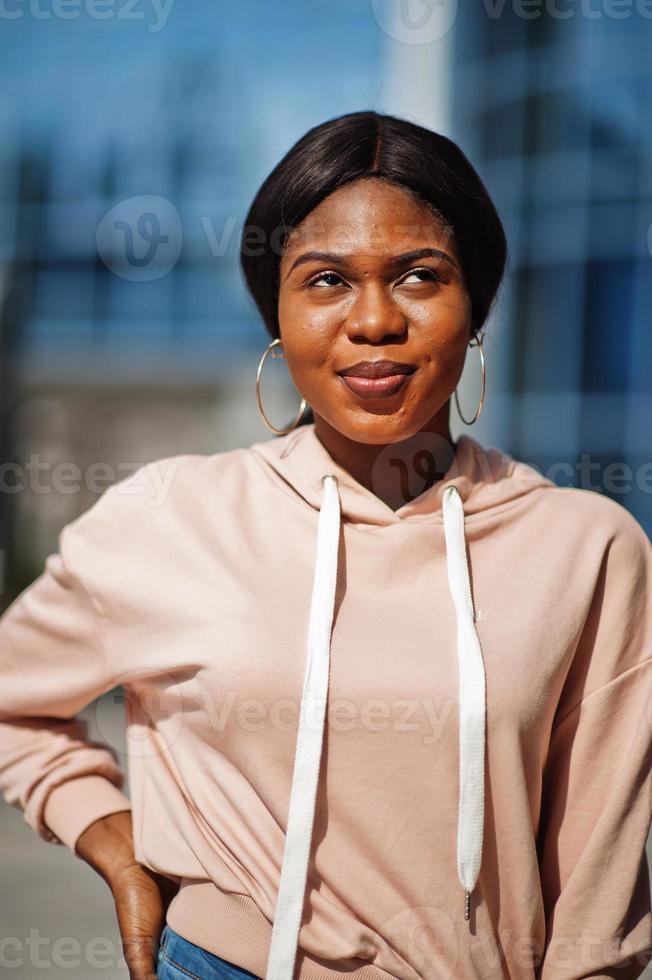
[{"x": 476, "y": 675}]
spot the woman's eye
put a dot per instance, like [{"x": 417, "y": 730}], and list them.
[
  {"x": 430, "y": 274},
  {"x": 325, "y": 275}
]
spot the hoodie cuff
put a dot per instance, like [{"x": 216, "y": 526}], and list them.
[{"x": 75, "y": 804}]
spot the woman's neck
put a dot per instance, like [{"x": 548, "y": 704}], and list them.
[{"x": 396, "y": 472}]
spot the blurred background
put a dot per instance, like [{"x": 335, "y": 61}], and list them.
[{"x": 133, "y": 136}]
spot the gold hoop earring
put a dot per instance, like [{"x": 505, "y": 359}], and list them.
[
  {"x": 478, "y": 343},
  {"x": 295, "y": 422}
]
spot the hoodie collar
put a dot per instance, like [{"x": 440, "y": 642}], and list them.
[{"x": 484, "y": 478}]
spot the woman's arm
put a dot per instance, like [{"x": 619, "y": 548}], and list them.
[
  {"x": 53, "y": 663},
  {"x": 141, "y": 895},
  {"x": 597, "y": 784}
]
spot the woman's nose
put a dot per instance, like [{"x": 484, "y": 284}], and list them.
[{"x": 374, "y": 315}]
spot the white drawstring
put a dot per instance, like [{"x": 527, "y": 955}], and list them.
[
  {"x": 294, "y": 871},
  {"x": 289, "y": 906},
  {"x": 472, "y": 700}
]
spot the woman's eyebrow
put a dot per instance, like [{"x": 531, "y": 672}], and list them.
[{"x": 393, "y": 262}]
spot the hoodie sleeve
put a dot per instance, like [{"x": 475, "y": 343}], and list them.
[
  {"x": 52, "y": 665},
  {"x": 597, "y": 782}
]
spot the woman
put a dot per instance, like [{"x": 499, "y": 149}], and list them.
[{"x": 388, "y": 695}]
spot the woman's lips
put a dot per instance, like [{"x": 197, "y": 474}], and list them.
[{"x": 376, "y": 387}]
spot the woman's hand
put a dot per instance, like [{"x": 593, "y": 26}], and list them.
[{"x": 141, "y": 895}]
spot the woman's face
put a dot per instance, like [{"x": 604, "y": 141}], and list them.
[{"x": 365, "y": 301}]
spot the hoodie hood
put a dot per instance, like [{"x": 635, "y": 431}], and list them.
[
  {"x": 484, "y": 478},
  {"x": 476, "y": 481}
]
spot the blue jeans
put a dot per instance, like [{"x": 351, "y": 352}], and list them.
[{"x": 179, "y": 959}]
